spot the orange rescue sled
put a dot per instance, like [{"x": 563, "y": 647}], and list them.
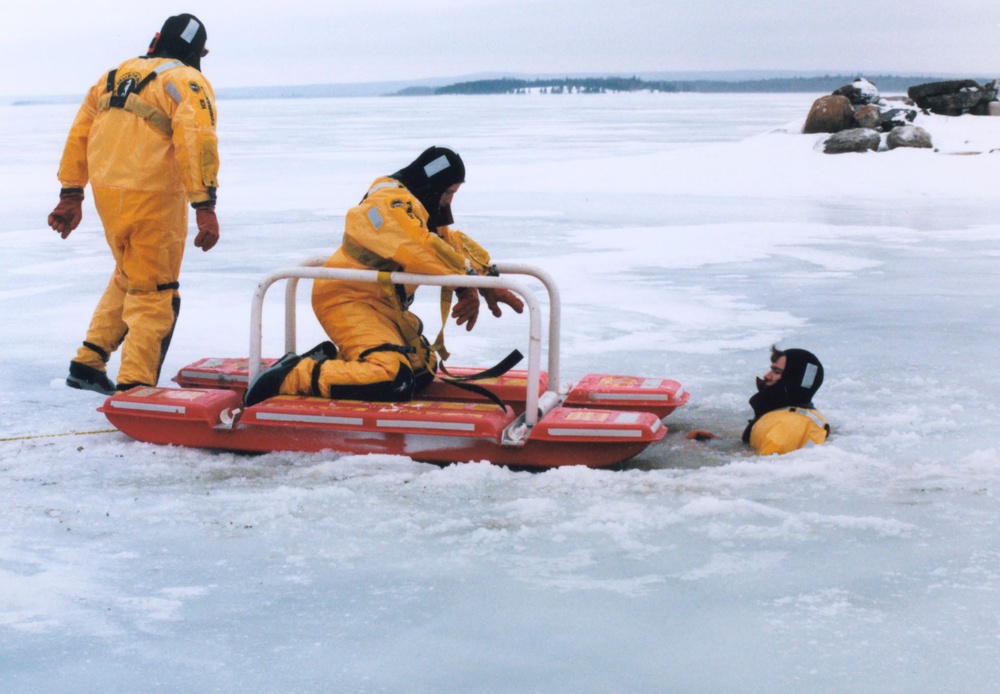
[{"x": 602, "y": 420}]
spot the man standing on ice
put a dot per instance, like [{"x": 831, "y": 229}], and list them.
[
  {"x": 401, "y": 225},
  {"x": 785, "y": 418},
  {"x": 145, "y": 140}
]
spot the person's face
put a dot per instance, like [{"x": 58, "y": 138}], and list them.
[
  {"x": 447, "y": 195},
  {"x": 774, "y": 375}
]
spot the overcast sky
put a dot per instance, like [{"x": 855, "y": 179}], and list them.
[{"x": 61, "y": 47}]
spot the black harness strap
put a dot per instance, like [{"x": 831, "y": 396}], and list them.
[
  {"x": 103, "y": 354},
  {"x": 118, "y": 100},
  {"x": 387, "y": 347},
  {"x": 314, "y": 379},
  {"x": 499, "y": 369},
  {"x": 478, "y": 390},
  {"x": 505, "y": 365}
]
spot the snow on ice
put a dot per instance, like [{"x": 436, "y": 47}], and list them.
[{"x": 688, "y": 233}]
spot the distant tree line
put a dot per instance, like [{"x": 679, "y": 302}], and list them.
[{"x": 601, "y": 85}]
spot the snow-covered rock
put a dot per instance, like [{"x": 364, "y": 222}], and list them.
[
  {"x": 861, "y": 92},
  {"x": 853, "y": 140},
  {"x": 908, "y": 136}
]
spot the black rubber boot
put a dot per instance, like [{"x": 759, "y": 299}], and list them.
[
  {"x": 85, "y": 377},
  {"x": 268, "y": 382}
]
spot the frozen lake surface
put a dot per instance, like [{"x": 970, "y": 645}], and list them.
[{"x": 688, "y": 233}]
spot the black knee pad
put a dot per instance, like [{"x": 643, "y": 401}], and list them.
[{"x": 399, "y": 389}]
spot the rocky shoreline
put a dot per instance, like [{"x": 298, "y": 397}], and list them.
[{"x": 859, "y": 119}]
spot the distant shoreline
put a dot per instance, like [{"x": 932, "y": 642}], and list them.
[
  {"x": 603, "y": 85},
  {"x": 544, "y": 85}
]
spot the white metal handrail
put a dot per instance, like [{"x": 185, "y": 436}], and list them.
[
  {"x": 555, "y": 310},
  {"x": 309, "y": 270}
]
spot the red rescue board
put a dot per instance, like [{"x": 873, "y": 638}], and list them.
[
  {"x": 181, "y": 416},
  {"x": 478, "y": 420},
  {"x": 660, "y": 396},
  {"x": 218, "y": 372},
  {"x": 510, "y": 387},
  {"x": 604, "y": 420},
  {"x": 427, "y": 431}
]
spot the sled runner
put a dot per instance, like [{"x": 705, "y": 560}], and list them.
[{"x": 601, "y": 420}]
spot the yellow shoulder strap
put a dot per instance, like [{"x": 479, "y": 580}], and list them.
[{"x": 411, "y": 335}]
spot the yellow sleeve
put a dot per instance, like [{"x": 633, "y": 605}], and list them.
[
  {"x": 73, "y": 171},
  {"x": 478, "y": 257},
  {"x": 196, "y": 145}
]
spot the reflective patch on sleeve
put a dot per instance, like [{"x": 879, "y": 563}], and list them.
[
  {"x": 384, "y": 184},
  {"x": 809, "y": 377},
  {"x": 816, "y": 418},
  {"x": 173, "y": 92},
  {"x": 167, "y": 66},
  {"x": 436, "y": 166},
  {"x": 375, "y": 218}
]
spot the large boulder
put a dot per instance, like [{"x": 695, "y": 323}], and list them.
[
  {"x": 955, "y": 104},
  {"x": 990, "y": 90},
  {"x": 987, "y": 105},
  {"x": 919, "y": 92},
  {"x": 895, "y": 117},
  {"x": 908, "y": 136},
  {"x": 861, "y": 92},
  {"x": 868, "y": 116},
  {"x": 982, "y": 108},
  {"x": 829, "y": 114},
  {"x": 854, "y": 140}
]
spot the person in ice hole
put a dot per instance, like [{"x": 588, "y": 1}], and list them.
[{"x": 784, "y": 417}]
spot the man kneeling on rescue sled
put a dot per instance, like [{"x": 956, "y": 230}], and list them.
[
  {"x": 401, "y": 225},
  {"x": 785, "y": 418}
]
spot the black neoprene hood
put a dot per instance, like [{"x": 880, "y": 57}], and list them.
[
  {"x": 802, "y": 377},
  {"x": 428, "y": 176},
  {"x": 182, "y": 37}
]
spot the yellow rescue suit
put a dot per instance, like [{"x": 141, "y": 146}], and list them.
[
  {"x": 788, "y": 429},
  {"x": 389, "y": 232},
  {"x": 145, "y": 140}
]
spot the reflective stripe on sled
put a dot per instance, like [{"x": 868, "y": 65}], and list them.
[
  {"x": 208, "y": 376},
  {"x": 413, "y": 424},
  {"x": 630, "y": 396},
  {"x": 309, "y": 419},
  {"x": 147, "y": 406},
  {"x": 595, "y": 433}
]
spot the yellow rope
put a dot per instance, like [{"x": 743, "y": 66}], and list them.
[{"x": 48, "y": 436}]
